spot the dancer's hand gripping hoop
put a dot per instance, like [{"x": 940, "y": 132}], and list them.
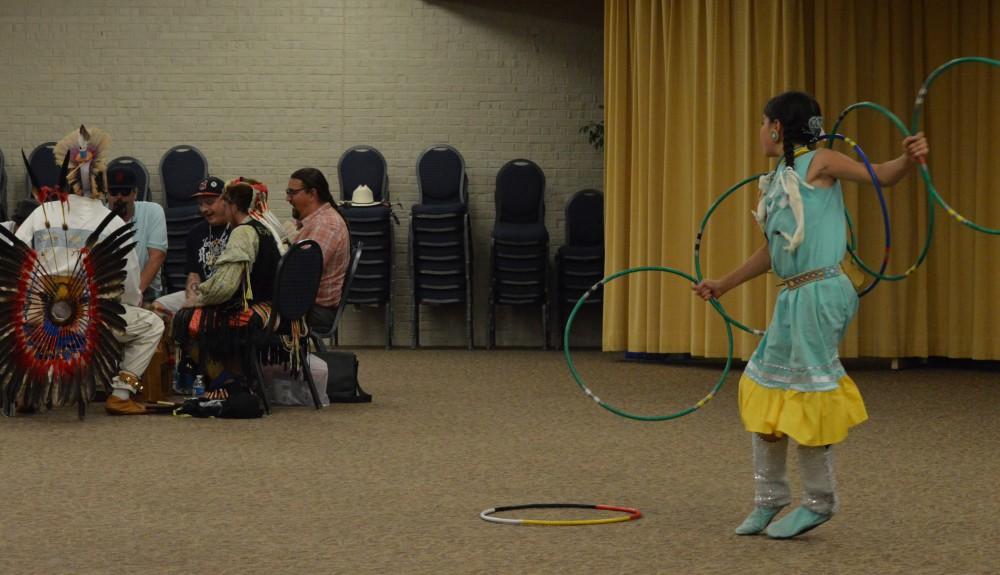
[{"x": 618, "y": 411}]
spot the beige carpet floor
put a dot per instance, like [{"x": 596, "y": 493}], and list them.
[{"x": 396, "y": 486}]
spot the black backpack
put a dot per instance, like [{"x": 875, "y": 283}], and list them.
[
  {"x": 342, "y": 380},
  {"x": 232, "y": 399}
]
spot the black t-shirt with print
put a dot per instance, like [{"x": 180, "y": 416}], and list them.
[{"x": 204, "y": 245}]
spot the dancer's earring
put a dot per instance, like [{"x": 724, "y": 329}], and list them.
[{"x": 774, "y": 136}]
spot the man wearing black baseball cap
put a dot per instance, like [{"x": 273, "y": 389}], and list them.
[
  {"x": 150, "y": 227},
  {"x": 203, "y": 245}
]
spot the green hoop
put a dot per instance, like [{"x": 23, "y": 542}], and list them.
[
  {"x": 621, "y": 412},
  {"x": 930, "y": 203},
  {"x": 697, "y": 247},
  {"x": 932, "y": 192}
]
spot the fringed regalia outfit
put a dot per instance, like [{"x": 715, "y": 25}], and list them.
[
  {"x": 237, "y": 298},
  {"x": 69, "y": 291}
]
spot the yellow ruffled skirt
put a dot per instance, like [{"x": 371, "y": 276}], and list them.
[{"x": 811, "y": 418}]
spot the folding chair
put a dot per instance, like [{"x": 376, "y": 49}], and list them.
[
  {"x": 519, "y": 244},
  {"x": 3, "y": 188},
  {"x": 140, "y": 171},
  {"x": 580, "y": 262},
  {"x": 295, "y": 288},
  {"x": 441, "y": 237},
  {"x": 352, "y": 269},
  {"x": 371, "y": 224},
  {"x": 43, "y": 165},
  {"x": 180, "y": 222},
  {"x": 181, "y": 168}
]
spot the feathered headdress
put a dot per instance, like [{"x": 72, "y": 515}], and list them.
[
  {"x": 56, "y": 331},
  {"x": 260, "y": 211},
  {"x": 87, "y": 161}
]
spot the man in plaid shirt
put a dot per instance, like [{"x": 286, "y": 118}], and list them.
[{"x": 319, "y": 220}]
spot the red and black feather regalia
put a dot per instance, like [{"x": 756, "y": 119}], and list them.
[{"x": 57, "y": 330}]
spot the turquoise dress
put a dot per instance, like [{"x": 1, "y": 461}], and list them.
[{"x": 794, "y": 383}]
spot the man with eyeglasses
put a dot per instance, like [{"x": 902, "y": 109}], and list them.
[
  {"x": 318, "y": 219},
  {"x": 150, "y": 228}
]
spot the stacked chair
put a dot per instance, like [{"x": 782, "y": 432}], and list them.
[
  {"x": 580, "y": 262},
  {"x": 519, "y": 243},
  {"x": 181, "y": 168},
  {"x": 3, "y": 188},
  {"x": 441, "y": 236},
  {"x": 43, "y": 165},
  {"x": 137, "y": 168},
  {"x": 371, "y": 224}
]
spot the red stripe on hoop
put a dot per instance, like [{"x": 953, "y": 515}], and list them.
[{"x": 633, "y": 513}]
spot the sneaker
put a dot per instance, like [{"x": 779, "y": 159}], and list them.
[{"x": 117, "y": 406}]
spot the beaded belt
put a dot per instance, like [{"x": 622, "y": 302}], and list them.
[{"x": 811, "y": 276}]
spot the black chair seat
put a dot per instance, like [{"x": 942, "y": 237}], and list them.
[
  {"x": 534, "y": 265},
  {"x": 441, "y": 297},
  {"x": 571, "y": 297},
  {"x": 520, "y": 234},
  {"x": 442, "y": 268},
  {"x": 580, "y": 253},
  {"x": 429, "y": 229},
  {"x": 591, "y": 276},
  {"x": 441, "y": 282},
  {"x": 442, "y": 241},
  {"x": 520, "y": 278},
  {"x": 579, "y": 283},
  {"x": 379, "y": 213},
  {"x": 581, "y": 267},
  {"x": 433, "y": 211}
]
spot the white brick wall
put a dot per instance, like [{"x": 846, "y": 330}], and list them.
[{"x": 265, "y": 87}]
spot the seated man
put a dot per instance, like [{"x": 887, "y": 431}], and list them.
[
  {"x": 238, "y": 294},
  {"x": 60, "y": 252},
  {"x": 319, "y": 220},
  {"x": 150, "y": 228},
  {"x": 203, "y": 245}
]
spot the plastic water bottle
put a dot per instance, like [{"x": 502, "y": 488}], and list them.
[{"x": 199, "y": 385}]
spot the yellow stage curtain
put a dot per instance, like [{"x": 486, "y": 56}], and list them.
[{"x": 685, "y": 86}]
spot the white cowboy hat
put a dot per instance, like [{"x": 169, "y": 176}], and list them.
[{"x": 363, "y": 196}]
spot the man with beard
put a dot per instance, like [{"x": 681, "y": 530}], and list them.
[
  {"x": 150, "y": 228},
  {"x": 318, "y": 219}
]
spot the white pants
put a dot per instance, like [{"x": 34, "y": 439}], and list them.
[
  {"x": 143, "y": 329},
  {"x": 172, "y": 302}
]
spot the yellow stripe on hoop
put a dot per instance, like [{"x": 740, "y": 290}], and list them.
[{"x": 566, "y": 522}]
